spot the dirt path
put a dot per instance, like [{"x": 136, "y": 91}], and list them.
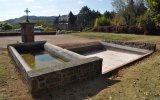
[{"x": 54, "y": 39}]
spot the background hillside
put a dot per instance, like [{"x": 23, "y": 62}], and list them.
[{"x": 46, "y": 19}]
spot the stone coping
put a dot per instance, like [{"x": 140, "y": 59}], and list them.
[
  {"x": 62, "y": 53},
  {"x": 102, "y": 45},
  {"x": 21, "y": 47},
  {"x": 19, "y": 58},
  {"x": 124, "y": 48},
  {"x": 146, "y": 46}
]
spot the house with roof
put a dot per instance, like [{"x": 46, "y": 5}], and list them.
[
  {"x": 66, "y": 22},
  {"x": 63, "y": 22}
]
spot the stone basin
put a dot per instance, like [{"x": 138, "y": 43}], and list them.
[{"x": 45, "y": 66}]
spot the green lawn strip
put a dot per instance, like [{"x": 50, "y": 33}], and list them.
[
  {"x": 119, "y": 37},
  {"x": 3, "y": 77}
]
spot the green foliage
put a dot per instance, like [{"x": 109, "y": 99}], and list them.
[
  {"x": 61, "y": 32},
  {"x": 5, "y": 27},
  {"x": 87, "y": 29},
  {"x": 47, "y": 29},
  {"x": 154, "y": 10},
  {"x": 72, "y": 19},
  {"x": 86, "y": 17},
  {"x": 129, "y": 10},
  {"x": 118, "y": 20},
  {"x": 102, "y": 21},
  {"x": 48, "y": 26},
  {"x": 109, "y": 15},
  {"x": 147, "y": 23}
]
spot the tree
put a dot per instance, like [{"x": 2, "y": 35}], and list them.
[
  {"x": 72, "y": 19},
  {"x": 86, "y": 17},
  {"x": 154, "y": 10},
  {"x": 55, "y": 23},
  {"x": 93, "y": 16},
  {"x": 109, "y": 15},
  {"x": 83, "y": 17},
  {"x": 6, "y": 26},
  {"x": 129, "y": 9}
]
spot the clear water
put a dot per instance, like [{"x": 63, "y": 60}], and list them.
[{"x": 41, "y": 59}]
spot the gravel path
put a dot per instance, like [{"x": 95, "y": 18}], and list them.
[{"x": 54, "y": 39}]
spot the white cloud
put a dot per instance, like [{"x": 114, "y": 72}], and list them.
[
  {"x": 38, "y": 7},
  {"x": 80, "y": 2},
  {"x": 29, "y": 0}
]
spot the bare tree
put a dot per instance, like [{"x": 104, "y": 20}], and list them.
[{"x": 129, "y": 9}]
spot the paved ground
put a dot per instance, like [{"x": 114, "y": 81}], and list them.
[
  {"x": 54, "y": 39},
  {"x": 114, "y": 59}
]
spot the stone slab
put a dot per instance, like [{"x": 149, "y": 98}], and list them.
[{"x": 113, "y": 59}]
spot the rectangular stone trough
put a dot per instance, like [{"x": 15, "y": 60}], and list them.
[
  {"x": 114, "y": 54},
  {"x": 48, "y": 73}
]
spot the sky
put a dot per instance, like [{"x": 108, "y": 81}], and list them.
[{"x": 10, "y": 9}]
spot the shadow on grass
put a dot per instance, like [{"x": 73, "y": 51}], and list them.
[{"x": 78, "y": 91}]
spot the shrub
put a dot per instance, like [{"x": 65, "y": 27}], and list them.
[
  {"x": 87, "y": 29},
  {"x": 102, "y": 21},
  {"x": 135, "y": 30},
  {"x": 61, "y": 32},
  {"x": 147, "y": 24},
  {"x": 119, "y": 29},
  {"x": 158, "y": 30}
]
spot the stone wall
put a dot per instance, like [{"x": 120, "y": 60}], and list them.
[
  {"x": 80, "y": 70},
  {"x": 87, "y": 47},
  {"x": 29, "y": 47},
  {"x": 18, "y": 33},
  {"x": 55, "y": 76},
  {"x": 139, "y": 45},
  {"x": 134, "y": 47}
]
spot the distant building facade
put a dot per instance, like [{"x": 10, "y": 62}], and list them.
[{"x": 63, "y": 23}]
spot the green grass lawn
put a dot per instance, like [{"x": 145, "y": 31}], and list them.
[
  {"x": 3, "y": 75},
  {"x": 140, "y": 81},
  {"x": 120, "y": 37}
]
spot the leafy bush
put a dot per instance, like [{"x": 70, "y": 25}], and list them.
[
  {"x": 147, "y": 24},
  {"x": 102, "y": 21},
  {"x": 135, "y": 30},
  {"x": 87, "y": 29},
  {"x": 61, "y": 32},
  {"x": 119, "y": 29}
]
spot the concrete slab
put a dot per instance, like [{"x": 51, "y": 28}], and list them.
[{"x": 114, "y": 59}]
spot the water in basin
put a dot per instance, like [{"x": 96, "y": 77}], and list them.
[{"x": 41, "y": 59}]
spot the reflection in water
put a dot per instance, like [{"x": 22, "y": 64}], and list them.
[{"x": 41, "y": 59}]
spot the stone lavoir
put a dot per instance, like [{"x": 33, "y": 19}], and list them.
[{"x": 79, "y": 62}]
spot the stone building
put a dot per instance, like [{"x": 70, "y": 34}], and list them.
[{"x": 63, "y": 23}]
